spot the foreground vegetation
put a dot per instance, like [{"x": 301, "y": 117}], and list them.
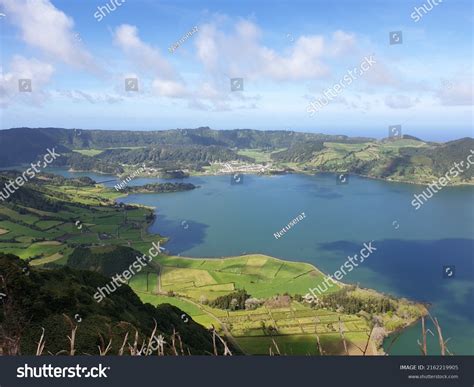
[{"x": 53, "y": 312}]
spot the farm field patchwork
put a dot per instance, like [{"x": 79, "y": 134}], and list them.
[
  {"x": 48, "y": 236},
  {"x": 190, "y": 281},
  {"x": 294, "y": 328},
  {"x": 260, "y": 275}
]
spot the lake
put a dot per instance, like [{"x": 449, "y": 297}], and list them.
[{"x": 223, "y": 219}]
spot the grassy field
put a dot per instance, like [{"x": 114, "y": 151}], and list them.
[
  {"x": 293, "y": 328},
  {"x": 260, "y": 275},
  {"x": 95, "y": 152},
  {"x": 89, "y": 152},
  {"x": 304, "y": 344},
  {"x": 259, "y": 155}
]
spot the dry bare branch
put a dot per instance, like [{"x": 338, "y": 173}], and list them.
[
  {"x": 173, "y": 342},
  {"x": 72, "y": 338},
  {"x": 369, "y": 336},
  {"x": 442, "y": 342},
  {"x": 141, "y": 351},
  {"x": 103, "y": 350},
  {"x": 134, "y": 349},
  {"x": 181, "y": 344},
  {"x": 214, "y": 340},
  {"x": 123, "y": 345},
  {"x": 227, "y": 351},
  {"x": 150, "y": 340},
  {"x": 41, "y": 343},
  {"x": 341, "y": 332},
  {"x": 320, "y": 348},
  {"x": 276, "y": 346}
]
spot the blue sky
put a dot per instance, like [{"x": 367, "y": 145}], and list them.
[{"x": 287, "y": 52}]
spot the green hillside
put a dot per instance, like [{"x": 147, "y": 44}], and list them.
[
  {"x": 58, "y": 299},
  {"x": 178, "y": 152}
]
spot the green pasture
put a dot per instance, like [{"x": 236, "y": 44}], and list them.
[{"x": 261, "y": 276}]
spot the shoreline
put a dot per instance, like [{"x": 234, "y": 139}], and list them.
[
  {"x": 312, "y": 173},
  {"x": 399, "y": 331},
  {"x": 277, "y": 173}
]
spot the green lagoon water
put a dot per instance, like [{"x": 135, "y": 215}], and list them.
[{"x": 219, "y": 219}]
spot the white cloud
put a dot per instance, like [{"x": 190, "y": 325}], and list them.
[
  {"x": 206, "y": 45},
  {"x": 456, "y": 93},
  {"x": 20, "y": 67},
  {"x": 241, "y": 53},
  {"x": 45, "y": 27},
  {"x": 400, "y": 101},
  {"x": 380, "y": 75},
  {"x": 148, "y": 58},
  {"x": 171, "y": 89},
  {"x": 304, "y": 62},
  {"x": 93, "y": 98},
  {"x": 165, "y": 80},
  {"x": 208, "y": 91},
  {"x": 150, "y": 61},
  {"x": 343, "y": 43}
]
